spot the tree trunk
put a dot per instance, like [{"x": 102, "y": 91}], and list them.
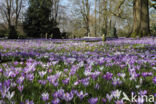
[
  {"x": 87, "y": 18},
  {"x": 145, "y": 30},
  {"x": 95, "y": 19},
  {"x": 105, "y": 15},
  {"x": 140, "y": 18}
]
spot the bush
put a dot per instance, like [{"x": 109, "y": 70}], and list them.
[
  {"x": 3, "y": 33},
  {"x": 12, "y": 33},
  {"x": 21, "y": 36},
  {"x": 153, "y": 30}
]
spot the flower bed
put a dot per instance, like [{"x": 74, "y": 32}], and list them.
[{"x": 76, "y": 72}]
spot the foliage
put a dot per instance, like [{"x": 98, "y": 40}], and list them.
[
  {"x": 12, "y": 33},
  {"x": 153, "y": 30},
  {"x": 3, "y": 33},
  {"x": 38, "y": 19}
]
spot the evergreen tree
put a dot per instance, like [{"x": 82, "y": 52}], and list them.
[{"x": 38, "y": 19}]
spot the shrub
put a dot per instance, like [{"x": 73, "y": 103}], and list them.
[{"x": 12, "y": 33}]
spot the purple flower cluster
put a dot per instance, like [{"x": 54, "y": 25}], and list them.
[
  {"x": 67, "y": 71},
  {"x": 108, "y": 76}
]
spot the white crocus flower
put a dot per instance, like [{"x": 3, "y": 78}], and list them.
[
  {"x": 123, "y": 75},
  {"x": 101, "y": 68},
  {"x": 109, "y": 97},
  {"x": 10, "y": 95},
  {"x": 154, "y": 68},
  {"x": 116, "y": 94}
]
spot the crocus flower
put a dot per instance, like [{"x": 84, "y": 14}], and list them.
[
  {"x": 29, "y": 102},
  {"x": 59, "y": 93},
  {"x": 67, "y": 96},
  {"x": 45, "y": 96},
  {"x": 20, "y": 88},
  {"x": 43, "y": 82},
  {"x": 122, "y": 75},
  {"x": 93, "y": 100},
  {"x": 119, "y": 102},
  {"x": 108, "y": 76},
  {"x": 140, "y": 100},
  {"x": 116, "y": 81},
  {"x": 42, "y": 73},
  {"x": 85, "y": 81},
  {"x": 97, "y": 86},
  {"x": 116, "y": 94},
  {"x": 154, "y": 80},
  {"x": 30, "y": 77},
  {"x": 20, "y": 79},
  {"x": 66, "y": 81},
  {"x": 109, "y": 97},
  {"x": 146, "y": 74},
  {"x": 10, "y": 95},
  {"x": 55, "y": 101},
  {"x": 143, "y": 92},
  {"x": 81, "y": 95},
  {"x": 104, "y": 100},
  {"x": 1, "y": 70}
]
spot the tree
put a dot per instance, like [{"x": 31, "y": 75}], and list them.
[
  {"x": 55, "y": 9},
  {"x": 17, "y": 8},
  {"x": 85, "y": 11},
  {"x": 10, "y": 12},
  {"x": 7, "y": 11},
  {"x": 140, "y": 18},
  {"x": 38, "y": 19}
]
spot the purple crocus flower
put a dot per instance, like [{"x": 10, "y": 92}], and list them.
[
  {"x": 81, "y": 95},
  {"x": 109, "y": 97},
  {"x": 74, "y": 91},
  {"x": 119, "y": 102},
  {"x": 85, "y": 81},
  {"x": 66, "y": 81},
  {"x": 15, "y": 63},
  {"x": 43, "y": 82},
  {"x": 29, "y": 102},
  {"x": 20, "y": 88},
  {"x": 4, "y": 91},
  {"x": 67, "y": 96},
  {"x": 55, "y": 101},
  {"x": 7, "y": 82},
  {"x": 45, "y": 96},
  {"x": 53, "y": 79},
  {"x": 146, "y": 74},
  {"x": 42, "y": 73},
  {"x": 143, "y": 92},
  {"x": 154, "y": 80},
  {"x": 108, "y": 76},
  {"x": 30, "y": 77},
  {"x": 2, "y": 102},
  {"x": 73, "y": 70},
  {"x": 1, "y": 70},
  {"x": 59, "y": 93},
  {"x": 93, "y": 100},
  {"x": 104, "y": 100},
  {"x": 116, "y": 81},
  {"x": 11, "y": 74},
  {"x": 20, "y": 80},
  {"x": 140, "y": 100}
]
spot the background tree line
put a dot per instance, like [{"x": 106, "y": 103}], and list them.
[{"x": 77, "y": 18}]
